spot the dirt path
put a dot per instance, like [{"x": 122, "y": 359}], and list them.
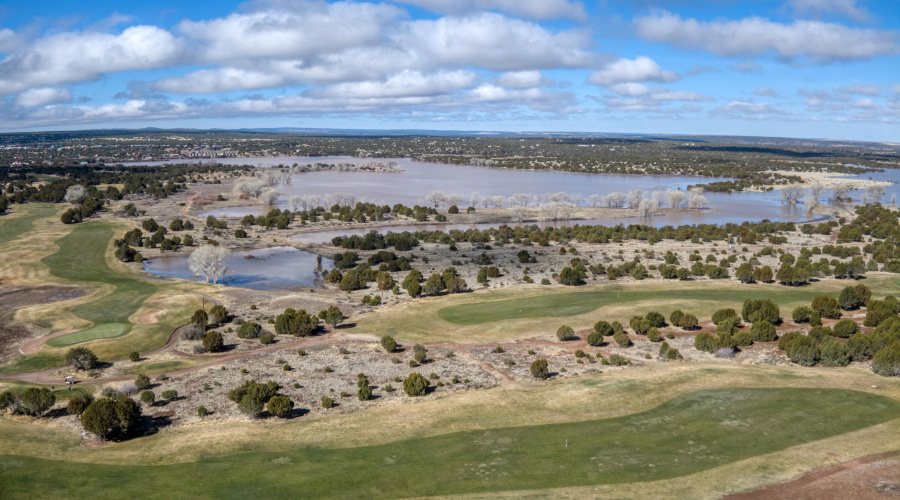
[
  {"x": 486, "y": 366},
  {"x": 34, "y": 345},
  {"x": 874, "y": 476}
]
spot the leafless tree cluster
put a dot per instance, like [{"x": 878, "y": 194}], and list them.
[
  {"x": 874, "y": 193},
  {"x": 269, "y": 196},
  {"x": 840, "y": 193},
  {"x": 557, "y": 211}
]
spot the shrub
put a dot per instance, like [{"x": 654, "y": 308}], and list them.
[
  {"x": 827, "y": 306},
  {"x": 705, "y": 342},
  {"x": 539, "y": 369},
  {"x": 388, "y": 343},
  {"x": 603, "y": 328},
  {"x": 784, "y": 343},
  {"x": 728, "y": 325},
  {"x": 78, "y": 403},
  {"x": 142, "y": 382},
  {"x": 296, "y": 323},
  {"x": 656, "y": 319},
  {"x": 200, "y": 318},
  {"x": 742, "y": 339},
  {"x": 801, "y": 314},
  {"x": 653, "y": 335},
  {"x": 37, "y": 400},
  {"x": 327, "y": 402},
  {"x": 415, "y": 385},
  {"x": 622, "y": 339},
  {"x": 112, "y": 418},
  {"x": 148, "y": 397},
  {"x": 81, "y": 358},
  {"x": 134, "y": 356},
  {"x": 887, "y": 361},
  {"x": 219, "y": 314},
  {"x": 169, "y": 394},
  {"x": 202, "y": 411},
  {"x": 763, "y": 331},
  {"x": 675, "y": 317},
  {"x": 860, "y": 347},
  {"x": 616, "y": 360},
  {"x": 213, "y": 342},
  {"x": 280, "y": 406},
  {"x": 760, "y": 310},
  {"x": 804, "y": 351},
  {"x": 420, "y": 354},
  {"x": 595, "y": 338},
  {"x": 564, "y": 333},
  {"x": 845, "y": 328},
  {"x": 834, "y": 353},
  {"x": 878, "y": 311},
  {"x": 286, "y": 367},
  {"x": 266, "y": 339},
  {"x": 364, "y": 393},
  {"x": 192, "y": 332},
  {"x": 722, "y": 314},
  {"x": 815, "y": 319},
  {"x": 688, "y": 321},
  {"x": 673, "y": 355},
  {"x": 663, "y": 348},
  {"x": 849, "y": 299},
  {"x": 249, "y": 330}
]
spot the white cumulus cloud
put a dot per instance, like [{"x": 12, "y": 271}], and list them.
[
  {"x": 819, "y": 41},
  {"x": 639, "y": 69},
  {"x": 531, "y": 9},
  {"x": 44, "y": 96}
]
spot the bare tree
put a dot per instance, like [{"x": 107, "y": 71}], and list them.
[
  {"x": 595, "y": 200},
  {"x": 209, "y": 261},
  {"x": 791, "y": 194},
  {"x": 645, "y": 207},
  {"x": 676, "y": 198},
  {"x": 498, "y": 201},
  {"x": 816, "y": 190},
  {"x": 473, "y": 199},
  {"x": 454, "y": 199},
  {"x": 659, "y": 198},
  {"x": 518, "y": 213},
  {"x": 486, "y": 201},
  {"x": 634, "y": 197},
  {"x": 697, "y": 201},
  {"x": 269, "y": 196},
  {"x": 811, "y": 203},
  {"x": 75, "y": 194},
  {"x": 840, "y": 193},
  {"x": 435, "y": 198},
  {"x": 575, "y": 199},
  {"x": 616, "y": 199},
  {"x": 894, "y": 199},
  {"x": 519, "y": 200},
  {"x": 875, "y": 193}
]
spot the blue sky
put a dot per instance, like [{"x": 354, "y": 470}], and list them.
[{"x": 793, "y": 68}]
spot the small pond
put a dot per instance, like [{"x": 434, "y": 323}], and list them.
[{"x": 263, "y": 269}]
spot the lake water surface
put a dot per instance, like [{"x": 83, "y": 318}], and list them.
[{"x": 266, "y": 269}]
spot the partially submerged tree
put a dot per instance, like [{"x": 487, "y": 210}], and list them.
[{"x": 209, "y": 261}]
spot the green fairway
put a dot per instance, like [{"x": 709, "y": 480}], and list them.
[
  {"x": 11, "y": 227},
  {"x": 563, "y": 304},
  {"x": 688, "y": 434},
  {"x": 82, "y": 257}
]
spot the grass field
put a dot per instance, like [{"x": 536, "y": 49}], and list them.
[
  {"x": 688, "y": 434},
  {"x": 507, "y": 314},
  {"x": 13, "y": 226},
  {"x": 82, "y": 257}
]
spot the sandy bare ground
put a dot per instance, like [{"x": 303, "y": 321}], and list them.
[
  {"x": 828, "y": 180},
  {"x": 34, "y": 345},
  {"x": 872, "y": 477},
  {"x": 18, "y": 337}
]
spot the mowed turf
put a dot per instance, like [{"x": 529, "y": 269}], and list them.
[
  {"x": 688, "y": 434},
  {"x": 559, "y": 305},
  {"x": 12, "y": 226},
  {"x": 82, "y": 257}
]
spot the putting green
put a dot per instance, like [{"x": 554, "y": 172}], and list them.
[
  {"x": 82, "y": 257},
  {"x": 688, "y": 434}
]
